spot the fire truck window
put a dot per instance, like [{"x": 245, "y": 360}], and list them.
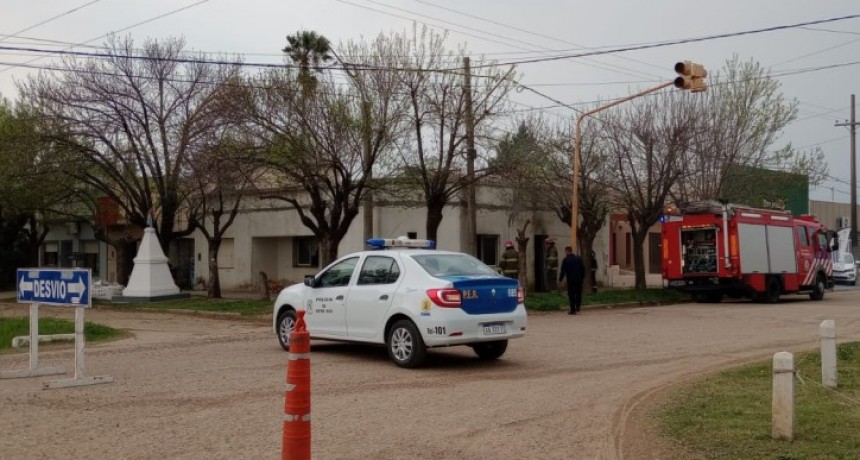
[
  {"x": 822, "y": 242},
  {"x": 801, "y": 233}
]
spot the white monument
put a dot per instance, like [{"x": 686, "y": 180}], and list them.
[{"x": 150, "y": 279}]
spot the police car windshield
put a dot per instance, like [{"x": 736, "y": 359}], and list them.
[{"x": 453, "y": 265}]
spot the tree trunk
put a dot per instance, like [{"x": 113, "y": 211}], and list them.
[
  {"x": 522, "y": 259},
  {"x": 328, "y": 250},
  {"x": 588, "y": 281},
  {"x": 434, "y": 219},
  {"x": 639, "y": 257},
  {"x": 214, "y": 278}
]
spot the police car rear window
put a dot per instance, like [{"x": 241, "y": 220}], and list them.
[{"x": 453, "y": 265}]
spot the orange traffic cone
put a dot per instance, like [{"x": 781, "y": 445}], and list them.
[{"x": 297, "y": 397}]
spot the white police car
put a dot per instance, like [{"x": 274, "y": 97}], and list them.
[{"x": 409, "y": 297}]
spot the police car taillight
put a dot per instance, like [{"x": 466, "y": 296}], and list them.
[
  {"x": 521, "y": 295},
  {"x": 448, "y": 298}
]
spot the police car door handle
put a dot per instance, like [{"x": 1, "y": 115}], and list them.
[
  {"x": 340, "y": 297},
  {"x": 383, "y": 297}
]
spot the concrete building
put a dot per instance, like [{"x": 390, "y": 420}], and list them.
[{"x": 273, "y": 240}]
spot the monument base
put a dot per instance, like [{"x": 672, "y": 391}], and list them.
[{"x": 154, "y": 298}]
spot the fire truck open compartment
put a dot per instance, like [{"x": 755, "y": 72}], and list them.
[{"x": 699, "y": 250}]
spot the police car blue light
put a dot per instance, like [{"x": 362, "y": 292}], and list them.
[
  {"x": 407, "y": 300},
  {"x": 402, "y": 242}
]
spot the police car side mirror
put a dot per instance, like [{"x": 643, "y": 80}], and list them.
[{"x": 310, "y": 281}]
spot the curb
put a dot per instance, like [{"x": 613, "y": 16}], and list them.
[{"x": 24, "y": 340}]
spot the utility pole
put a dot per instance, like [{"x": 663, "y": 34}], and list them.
[
  {"x": 853, "y": 126},
  {"x": 366, "y": 147},
  {"x": 471, "y": 211}
]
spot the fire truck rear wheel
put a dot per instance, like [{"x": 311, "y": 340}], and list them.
[{"x": 818, "y": 292}]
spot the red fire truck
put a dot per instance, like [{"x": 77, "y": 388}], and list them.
[{"x": 713, "y": 249}]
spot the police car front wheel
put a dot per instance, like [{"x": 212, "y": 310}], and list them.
[
  {"x": 405, "y": 345},
  {"x": 286, "y": 323}
]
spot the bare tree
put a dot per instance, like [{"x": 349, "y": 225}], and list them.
[
  {"x": 434, "y": 155},
  {"x": 222, "y": 177},
  {"x": 133, "y": 118},
  {"x": 323, "y": 141},
  {"x": 648, "y": 137}
]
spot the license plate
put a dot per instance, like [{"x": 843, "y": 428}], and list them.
[
  {"x": 674, "y": 283},
  {"x": 494, "y": 329}
]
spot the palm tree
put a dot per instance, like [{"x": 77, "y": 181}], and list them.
[{"x": 309, "y": 50}]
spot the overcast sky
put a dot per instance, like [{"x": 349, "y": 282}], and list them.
[{"x": 508, "y": 30}]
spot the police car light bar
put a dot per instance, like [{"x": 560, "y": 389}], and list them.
[{"x": 386, "y": 243}]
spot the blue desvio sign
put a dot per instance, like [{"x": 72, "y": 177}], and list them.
[{"x": 64, "y": 287}]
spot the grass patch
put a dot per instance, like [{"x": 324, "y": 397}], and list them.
[
  {"x": 240, "y": 306},
  {"x": 729, "y": 415},
  {"x": 14, "y": 327},
  {"x": 557, "y": 300}
]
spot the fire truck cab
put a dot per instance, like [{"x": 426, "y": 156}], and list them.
[{"x": 712, "y": 249}]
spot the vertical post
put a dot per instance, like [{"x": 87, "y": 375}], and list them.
[
  {"x": 853, "y": 177},
  {"x": 367, "y": 147},
  {"x": 79, "y": 343},
  {"x": 852, "y": 125},
  {"x": 574, "y": 201},
  {"x": 577, "y": 147},
  {"x": 827, "y": 334},
  {"x": 471, "y": 206},
  {"x": 783, "y": 396},
  {"x": 34, "y": 336}
]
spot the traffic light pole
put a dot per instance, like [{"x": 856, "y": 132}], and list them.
[{"x": 574, "y": 204}]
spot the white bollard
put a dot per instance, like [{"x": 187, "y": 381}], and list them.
[
  {"x": 783, "y": 396},
  {"x": 827, "y": 333}
]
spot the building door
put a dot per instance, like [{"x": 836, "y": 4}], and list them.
[
  {"x": 655, "y": 251},
  {"x": 540, "y": 260}
]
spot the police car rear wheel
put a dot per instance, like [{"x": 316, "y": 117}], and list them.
[
  {"x": 286, "y": 323},
  {"x": 490, "y": 350},
  {"x": 405, "y": 345}
]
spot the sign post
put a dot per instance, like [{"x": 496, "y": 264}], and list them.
[{"x": 63, "y": 288}]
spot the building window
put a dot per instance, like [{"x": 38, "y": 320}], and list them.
[
  {"x": 488, "y": 249},
  {"x": 412, "y": 235},
  {"x": 305, "y": 252}
]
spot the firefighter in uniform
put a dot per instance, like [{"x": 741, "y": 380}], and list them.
[
  {"x": 551, "y": 265},
  {"x": 510, "y": 263}
]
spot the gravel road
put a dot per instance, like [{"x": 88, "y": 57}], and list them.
[{"x": 189, "y": 387}]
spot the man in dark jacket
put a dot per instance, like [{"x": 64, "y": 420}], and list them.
[{"x": 573, "y": 269}]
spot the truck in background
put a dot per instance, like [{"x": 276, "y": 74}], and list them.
[{"x": 711, "y": 250}]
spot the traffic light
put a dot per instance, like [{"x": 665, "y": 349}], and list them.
[{"x": 692, "y": 76}]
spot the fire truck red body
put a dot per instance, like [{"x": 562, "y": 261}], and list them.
[{"x": 712, "y": 249}]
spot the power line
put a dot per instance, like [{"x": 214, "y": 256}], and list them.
[
  {"x": 512, "y": 27},
  {"x": 147, "y": 21},
  {"x": 52, "y": 18},
  {"x": 685, "y": 40}
]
